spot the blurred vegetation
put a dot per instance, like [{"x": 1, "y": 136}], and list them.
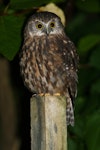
[{"x": 83, "y": 28}]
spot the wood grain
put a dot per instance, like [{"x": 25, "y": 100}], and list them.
[{"x": 48, "y": 123}]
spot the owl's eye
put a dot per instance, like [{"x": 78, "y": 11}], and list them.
[
  {"x": 52, "y": 24},
  {"x": 39, "y": 26}
]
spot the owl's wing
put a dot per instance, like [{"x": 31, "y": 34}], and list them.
[{"x": 71, "y": 61}]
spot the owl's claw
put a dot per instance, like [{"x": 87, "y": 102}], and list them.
[
  {"x": 41, "y": 94},
  {"x": 57, "y": 94},
  {"x": 48, "y": 94}
]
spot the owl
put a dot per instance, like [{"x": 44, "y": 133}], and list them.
[{"x": 48, "y": 59}]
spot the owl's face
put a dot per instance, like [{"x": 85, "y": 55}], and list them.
[{"x": 44, "y": 23}]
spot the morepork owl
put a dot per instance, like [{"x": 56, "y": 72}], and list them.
[{"x": 49, "y": 60}]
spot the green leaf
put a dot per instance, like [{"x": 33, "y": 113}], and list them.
[
  {"x": 72, "y": 145},
  {"x": 23, "y": 4},
  {"x": 75, "y": 23},
  {"x": 79, "y": 104},
  {"x": 95, "y": 58},
  {"x": 96, "y": 87},
  {"x": 93, "y": 131},
  {"x": 10, "y": 39},
  {"x": 88, "y": 42},
  {"x": 88, "y": 5}
]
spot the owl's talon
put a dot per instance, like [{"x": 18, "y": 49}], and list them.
[
  {"x": 44, "y": 94},
  {"x": 48, "y": 94},
  {"x": 57, "y": 94},
  {"x": 41, "y": 94}
]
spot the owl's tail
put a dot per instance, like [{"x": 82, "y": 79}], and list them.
[{"x": 70, "y": 112}]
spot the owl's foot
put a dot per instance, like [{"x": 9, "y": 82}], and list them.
[
  {"x": 41, "y": 94},
  {"x": 48, "y": 94},
  {"x": 57, "y": 94}
]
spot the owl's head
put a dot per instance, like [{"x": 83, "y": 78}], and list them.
[{"x": 44, "y": 23}]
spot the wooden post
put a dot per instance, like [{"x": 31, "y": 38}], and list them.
[{"x": 48, "y": 123}]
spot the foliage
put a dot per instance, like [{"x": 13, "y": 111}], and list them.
[
  {"x": 84, "y": 29},
  {"x": 11, "y": 23}
]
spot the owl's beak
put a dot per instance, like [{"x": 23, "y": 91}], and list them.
[{"x": 47, "y": 31}]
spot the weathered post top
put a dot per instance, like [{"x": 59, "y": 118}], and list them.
[{"x": 48, "y": 123}]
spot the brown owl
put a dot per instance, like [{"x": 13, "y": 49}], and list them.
[{"x": 49, "y": 60}]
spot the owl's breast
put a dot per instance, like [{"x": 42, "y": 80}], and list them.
[{"x": 42, "y": 67}]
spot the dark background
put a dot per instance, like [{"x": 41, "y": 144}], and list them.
[{"x": 83, "y": 28}]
